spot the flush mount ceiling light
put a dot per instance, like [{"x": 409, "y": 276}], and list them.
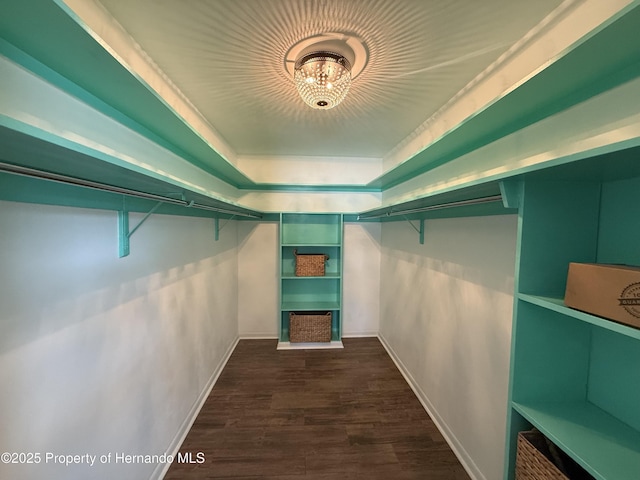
[
  {"x": 322, "y": 79},
  {"x": 323, "y": 67}
]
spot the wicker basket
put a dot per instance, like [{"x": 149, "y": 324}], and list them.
[
  {"x": 310, "y": 264},
  {"x": 309, "y": 327},
  {"x": 531, "y": 462}
]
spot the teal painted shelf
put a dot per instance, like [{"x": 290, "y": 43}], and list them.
[
  {"x": 603, "y": 445},
  {"x": 327, "y": 276},
  {"x": 333, "y": 265},
  {"x": 312, "y": 229},
  {"x": 310, "y": 306},
  {"x": 557, "y": 305},
  {"x": 310, "y": 244}
]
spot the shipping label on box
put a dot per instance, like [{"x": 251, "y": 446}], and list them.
[{"x": 609, "y": 291}]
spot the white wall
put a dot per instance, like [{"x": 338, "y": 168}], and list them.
[
  {"x": 319, "y": 202},
  {"x": 303, "y": 170},
  {"x": 104, "y": 355},
  {"x": 445, "y": 316},
  {"x": 361, "y": 287},
  {"x": 258, "y": 279}
]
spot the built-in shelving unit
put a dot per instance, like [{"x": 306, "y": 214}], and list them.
[
  {"x": 575, "y": 376},
  {"x": 311, "y": 233}
]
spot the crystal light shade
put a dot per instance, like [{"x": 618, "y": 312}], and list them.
[{"x": 322, "y": 79}]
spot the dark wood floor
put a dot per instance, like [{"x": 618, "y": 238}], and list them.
[{"x": 315, "y": 414}]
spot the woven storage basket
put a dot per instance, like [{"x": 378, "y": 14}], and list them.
[
  {"x": 309, "y": 327},
  {"x": 531, "y": 463},
  {"x": 310, "y": 264}
]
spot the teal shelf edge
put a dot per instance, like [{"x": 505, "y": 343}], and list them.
[
  {"x": 328, "y": 276},
  {"x": 603, "y": 445},
  {"x": 299, "y": 214},
  {"x": 286, "y": 345},
  {"x": 314, "y": 244},
  {"x": 557, "y": 305},
  {"x": 309, "y": 306}
]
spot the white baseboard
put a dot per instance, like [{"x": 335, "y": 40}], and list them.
[
  {"x": 274, "y": 336},
  {"x": 309, "y": 346},
  {"x": 459, "y": 451},
  {"x": 162, "y": 468},
  {"x": 360, "y": 335},
  {"x": 259, "y": 336}
]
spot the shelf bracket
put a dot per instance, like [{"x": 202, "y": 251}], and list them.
[
  {"x": 219, "y": 227},
  {"x": 124, "y": 234},
  {"x": 420, "y": 230},
  {"x": 511, "y": 192}
]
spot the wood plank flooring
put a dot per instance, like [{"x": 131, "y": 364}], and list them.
[{"x": 314, "y": 415}]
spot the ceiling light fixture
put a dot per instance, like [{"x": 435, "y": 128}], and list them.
[{"x": 322, "y": 78}]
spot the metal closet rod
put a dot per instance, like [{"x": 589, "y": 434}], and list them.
[
  {"x": 459, "y": 203},
  {"x": 56, "y": 177}
]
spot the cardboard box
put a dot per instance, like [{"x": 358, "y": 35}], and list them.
[{"x": 609, "y": 291}]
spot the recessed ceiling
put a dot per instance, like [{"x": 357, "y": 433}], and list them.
[{"x": 227, "y": 58}]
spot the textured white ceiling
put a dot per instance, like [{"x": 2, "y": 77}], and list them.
[{"x": 227, "y": 58}]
